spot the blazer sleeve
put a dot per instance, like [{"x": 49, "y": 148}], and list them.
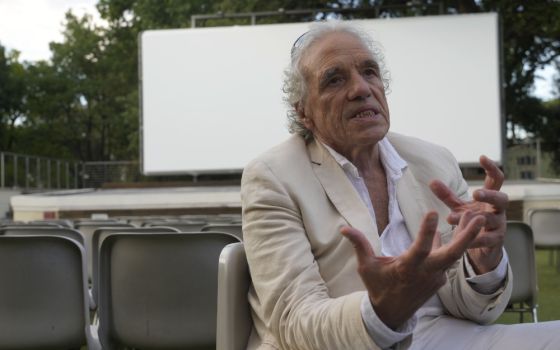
[
  {"x": 290, "y": 297},
  {"x": 459, "y": 298}
]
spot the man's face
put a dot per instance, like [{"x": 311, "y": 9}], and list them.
[{"x": 345, "y": 106}]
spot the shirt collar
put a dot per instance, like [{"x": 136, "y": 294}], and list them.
[{"x": 390, "y": 159}]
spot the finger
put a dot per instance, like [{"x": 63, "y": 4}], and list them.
[
  {"x": 422, "y": 245},
  {"x": 445, "y": 194},
  {"x": 488, "y": 239},
  {"x": 454, "y": 217},
  {"x": 363, "y": 248},
  {"x": 494, "y": 219},
  {"x": 468, "y": 229},
  {"x": 437, "y": 241},
  {"x": 499, "y": 200},
  {"x": 494, "y": 176}
]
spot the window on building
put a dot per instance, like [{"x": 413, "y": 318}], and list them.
[{"x": 527, "y": 175}]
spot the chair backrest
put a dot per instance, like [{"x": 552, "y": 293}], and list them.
[
  {"x": 43, "y": 298},
  {"x": 546, "y": 226},
  {"x": 159, "y": 291},
  {"x": 100, "y": 222},
  {"x": 224, "y": 219},
  {"x": 39, "y": 225},
  {"x": 182, "y": 226},
  {"x": 98, "y": 237},
  {"x": 36, "y": 231},
  {"x": 58, "y": 222},
  {"x": 87, "y": 229},
  {"x": 521, "y": 252},
  {"x": 234, "y": 316},
  {"x": 234, "y": 229}
]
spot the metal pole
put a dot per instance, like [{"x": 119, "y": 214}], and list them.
[
  {"x": 67, "y": 175},
  {"x": 26, "y": 172},
  {"x": 75, "y": 175},
  {"x": 38, "y": 170},
  {"x": 2, "y": 171},
  {"x": 105, "y": 173},
  {"x": 48, "y": 173},
  {"x": 58, "y": 174},
  {"x": 15, "y": 171},
  {"x": 538, "y": 158}
]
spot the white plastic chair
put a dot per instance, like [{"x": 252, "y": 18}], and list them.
[
  {"x": 521, "y": 252},
  {"x": 234, "y": 229},
  {"x": 98, "y": 237},
  {"x": 546, "y": 230},
  {"x": 159, "y": 291},
  {"x": 234, "y": 316},
  {"x": 44, "y": 302}
]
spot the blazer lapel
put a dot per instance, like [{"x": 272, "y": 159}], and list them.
[
  {"x": 342, "y": 193},
  {"x": 411, "y": 202}
]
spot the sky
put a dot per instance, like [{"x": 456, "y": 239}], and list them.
[{"x": 29, "y": 25}]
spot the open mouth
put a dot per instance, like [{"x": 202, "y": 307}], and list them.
[{"x": 366, "y": 113}]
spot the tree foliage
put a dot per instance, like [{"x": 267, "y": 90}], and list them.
[
  {"x": 12, "y": 96},
  {"x": 84, "y": 100}
]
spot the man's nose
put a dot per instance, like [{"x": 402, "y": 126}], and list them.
[{"x": 359, "y": 87}]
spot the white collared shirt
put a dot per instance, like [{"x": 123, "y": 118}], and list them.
[{"x": 395, "y": 240}]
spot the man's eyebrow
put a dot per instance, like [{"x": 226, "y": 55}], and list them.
[{"x": 371, "y": 63}]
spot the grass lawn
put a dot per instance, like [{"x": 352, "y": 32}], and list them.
[{"x": 548, "y": 279}]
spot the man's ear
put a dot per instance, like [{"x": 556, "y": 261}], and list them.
[{"x": 303, "y": 118}]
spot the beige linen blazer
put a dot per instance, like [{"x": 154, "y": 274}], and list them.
[{"x": 306, "y": 291}]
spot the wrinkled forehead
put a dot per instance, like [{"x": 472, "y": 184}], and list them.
[{"x": 333, "y": 48}]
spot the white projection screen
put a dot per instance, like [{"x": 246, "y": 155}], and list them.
[{"x": 211, "y": 98}]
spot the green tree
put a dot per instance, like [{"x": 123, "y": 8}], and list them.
[
  {"x": 12, "y": 96},
  {"x": 549, "y": 133},
  {"x": 86, "y": 98},
  {"x": 80, "y": 98}
]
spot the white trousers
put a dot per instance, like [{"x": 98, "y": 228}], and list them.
[{"x": 449, "y": 333}]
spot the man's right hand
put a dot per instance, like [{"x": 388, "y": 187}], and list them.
[{"x": 398, "y": 286}]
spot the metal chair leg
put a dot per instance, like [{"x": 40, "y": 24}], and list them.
[{"x": 534, "y": 310}]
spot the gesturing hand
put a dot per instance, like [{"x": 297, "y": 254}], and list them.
[
  {"x": 398, "y": 286},
  {"x": 486, "y": 250}
]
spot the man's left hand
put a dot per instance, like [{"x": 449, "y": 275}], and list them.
[{"x": 485, "y": 251}]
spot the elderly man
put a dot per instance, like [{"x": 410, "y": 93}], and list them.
[{"x": 344, "y": 223}]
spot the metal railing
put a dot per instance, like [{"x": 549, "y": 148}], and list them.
[
  {"x": 372, "y": 12},
  {"x": 19, "y": 171},
  {"x": 33, "y": 173},
  {"x": 95, "y": 174}
]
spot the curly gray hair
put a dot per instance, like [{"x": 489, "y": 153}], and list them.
[{"x": 295, "y": 87}]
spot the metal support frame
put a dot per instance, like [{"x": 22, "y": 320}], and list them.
[
  {"x": 38, "y": 183},
  {"x": 58, "y": 174},
  {"x": 253, "y": 16},
  {"x": 2, "y": 171},
  {"x": 67, "y": 168},
  {"x": 26, "y": 172},
  {"x": 15, "y": 185}
]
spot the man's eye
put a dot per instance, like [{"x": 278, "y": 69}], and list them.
[
  {"x": 370, "y": 72},
  {"x": 335, "y": 81}
]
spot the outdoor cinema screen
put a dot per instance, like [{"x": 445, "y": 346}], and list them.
[{"x": 211, "y": 98}]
